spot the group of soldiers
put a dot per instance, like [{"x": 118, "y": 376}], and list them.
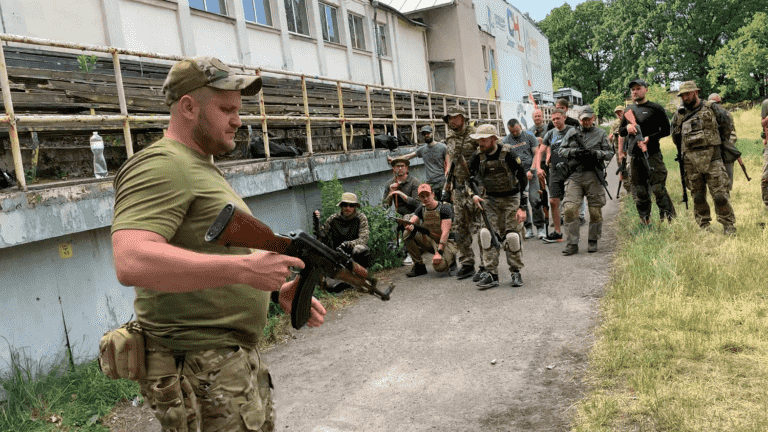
[{"x": 502, "y": 191}]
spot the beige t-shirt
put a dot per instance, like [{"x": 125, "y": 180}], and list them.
[{"x": 174, "y": 191}]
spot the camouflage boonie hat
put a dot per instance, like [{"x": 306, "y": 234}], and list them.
[
  {"x": 193, "y": 73},
  {"x": 400, "y": 159},
  {"x": 686, "y": 87},
  {"x": 349, "y": 198},
  {"x": 453, "y": 111},
  {"x": 619, "y": 108},
  {"x": 485, "y": 131}
]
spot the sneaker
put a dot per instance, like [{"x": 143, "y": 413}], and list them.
[
  {"x": 541, "y": 234},
  {"x": 465, "y": 272},
  {"x": 488, "y": 281},
  {"x": 553, "y": 237},
  {"x": 417, "y": 270},
  {"x": 528, "y": 233},
  {"x": 517, "y": 279},
  {"x": 407, "y": 260},
  {"x": 479, "y": 275},
  {"x": 571, "y": 250},
  {"x": 592, "y": 248}
]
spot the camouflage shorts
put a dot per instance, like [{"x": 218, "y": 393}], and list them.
[{"x": 224, "y": 389}]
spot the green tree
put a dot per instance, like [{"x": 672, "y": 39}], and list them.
[
  {"x": 606, "y": 102},
  {"x": 740, "y": 67}
]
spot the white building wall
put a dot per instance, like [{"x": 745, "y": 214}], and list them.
[
  {"x": 304, "y": 56},
  {"x": 361, "y": 67},
  {"x": 414, "y": 69},
  {"x": 215, "y": 38},
  {"x": 336, "y": 57},
  {"x": 72, "y": 21},
  {"x": 522, "y": 56},
  {"x": 140, "y": 21},
  {"x": 265, "y": 49}
]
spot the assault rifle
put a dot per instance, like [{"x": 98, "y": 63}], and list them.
[
  {"x": 587, "y": 159},
  {"x": 446, "y": 193},
  {"x": 623, "y": 171},
  {"x": 416, "y": 228},
  {"x": 544, "y": 204},
  {"x": 233, "y": 227},
  {"x": 495, "y": 238},
  {"x": 635, "y": 139}
]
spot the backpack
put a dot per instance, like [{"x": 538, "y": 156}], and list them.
[{"x": 278, "y": 147}]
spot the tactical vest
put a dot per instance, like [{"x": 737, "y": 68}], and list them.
[
  {"x": 700, "y": 129},
  {"x": 462, "y": 145},
  {"x": 495, "y": 174},
  {"x": 432, "y": 220}
]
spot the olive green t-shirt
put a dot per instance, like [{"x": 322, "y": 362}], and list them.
[{"x": 174, "y": 191}]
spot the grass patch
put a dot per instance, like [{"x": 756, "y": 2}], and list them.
[{"x": 682, "y": 345}]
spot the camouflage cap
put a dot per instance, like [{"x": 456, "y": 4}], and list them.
[
  {"x": 686, "y": 87},
  {"x": 714, "y": 97},
  {"x": 485, "y": 131},
  {"x": 426, "y": 128},
  {"x": 193, "y": 73},
  {"x": 586, "y": 112},
  {"x": 454, "y": 111},
  {"x": 349, "y": 198},
  {"x": 619, "y": 108}
]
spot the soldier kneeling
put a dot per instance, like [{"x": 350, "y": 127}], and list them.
[
  {"x": 347, "y": 231},
  {"x": 437, "y": 219}
]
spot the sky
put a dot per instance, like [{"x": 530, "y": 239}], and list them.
[{"x": 538, "y": 9}]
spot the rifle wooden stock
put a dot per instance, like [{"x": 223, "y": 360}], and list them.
[{"x": 234, "y": 227}]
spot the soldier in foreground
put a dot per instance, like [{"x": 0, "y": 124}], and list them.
[
  {"x": 437, "y": 218},
  {"x": 586, "y": 157},
  {"x": 525, "y": 146},
  {"x": 504, "y": 201},
  {"x": 202, "y": 307},
  {"x": 460, "y": 148},
  {"x": 699, "y": 129},
  {"x": 649, "y": 174}
]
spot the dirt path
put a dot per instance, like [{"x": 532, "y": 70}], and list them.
[{"x": 442, "y": 355}]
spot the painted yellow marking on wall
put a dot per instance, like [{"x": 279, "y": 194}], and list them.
[{"x": 65, "y": 250}]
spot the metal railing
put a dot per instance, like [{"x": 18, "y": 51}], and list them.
[{"x": 13, "y": 120}]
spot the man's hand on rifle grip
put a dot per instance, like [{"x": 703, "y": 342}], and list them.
[
  {"x": 268, "y": 270},
  {"x": 316, "y": 312},
  {"x": 477, "y": 200}
]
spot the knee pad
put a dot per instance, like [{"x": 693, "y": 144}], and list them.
[
  {"x": 513, "y": 241},
  {"x": 570, "y": 212},
  {"x": 595, "y": 214},
  {"x": 720, "y": 200},
  {"x": 485, "y": 238}
]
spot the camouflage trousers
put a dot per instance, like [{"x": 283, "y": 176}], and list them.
[
  {"x": 764, "y": 179},
  {"x": 645, "y": 184},
  {"x": 466, "y": 219},
  {"x": 701, "y": 171},
  {"x": 418, "y": 244},
  {"x": 223, "y": 389},
  {"x": 502, "y": 214},
  {"x": 577, "y": 186}
]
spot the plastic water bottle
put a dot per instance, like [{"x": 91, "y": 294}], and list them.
[{"x": 99, "y": 163}]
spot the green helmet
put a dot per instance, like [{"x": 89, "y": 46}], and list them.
[{"x": 686, "y": 87}]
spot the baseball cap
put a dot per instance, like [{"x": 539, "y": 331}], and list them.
[
  {"x": 638, "y": 81},
  {"x": 586, "y": 112},
  {"x": 193, "y": 73},
  {"x": 426, "y": 128},
  {"x": 424, "y": 187},
  {"x": 485, "y": 131},
  {"x": 618, "y": 108}
]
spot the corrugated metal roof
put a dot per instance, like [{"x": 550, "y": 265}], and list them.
[{"x": 408, "y": 6}]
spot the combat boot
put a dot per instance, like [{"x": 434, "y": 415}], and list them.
[
  {"x": 592, "y": 248},
  {"x": 417, "y": 270},
  {"x": 465, "y": 272},
  {"x": 571, "y": 250}
]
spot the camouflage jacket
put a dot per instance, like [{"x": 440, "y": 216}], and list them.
[
  {"x": 707, "y": 124},
  {"x": 354, "y": 230},
  {"x": 460, "y": 144}
]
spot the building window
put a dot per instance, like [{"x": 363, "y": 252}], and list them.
[
  {"x": 485, "y": 59},
  {"x": 329, "y": 23},
  {"x": 381, "y": 39},
  {"x": 296, "y": 13},
  {"x": 356, "y": 32},
  {"x": 215, "y": 6},
  {"x": 258, "y": 11}
]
